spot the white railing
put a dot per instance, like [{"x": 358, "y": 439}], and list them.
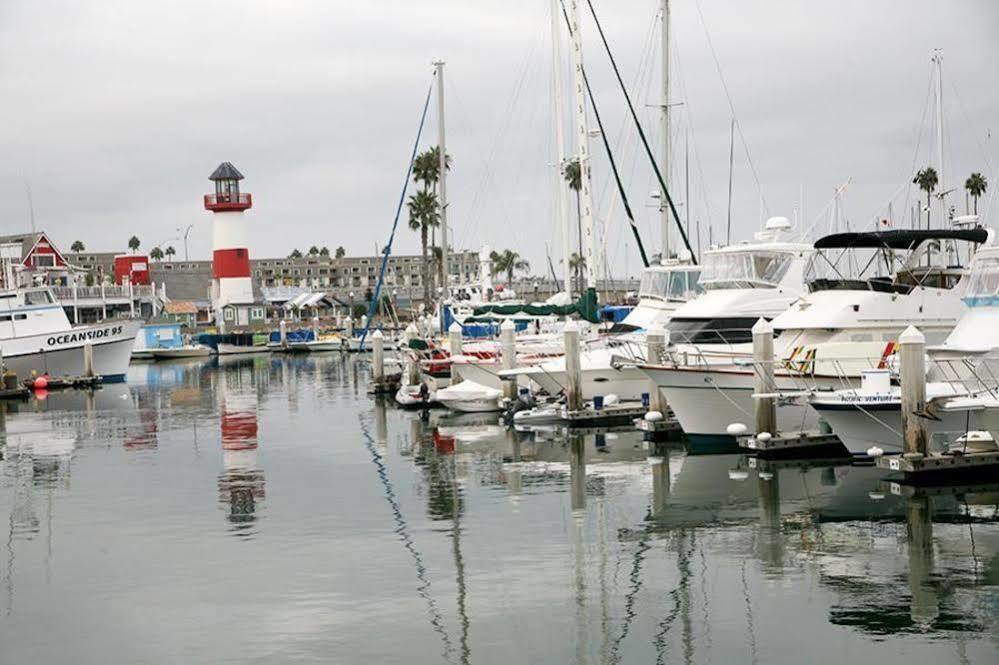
[{"x": 66, "y": 293}]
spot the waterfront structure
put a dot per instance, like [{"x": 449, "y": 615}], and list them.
[{"x": 232, "y": 296}]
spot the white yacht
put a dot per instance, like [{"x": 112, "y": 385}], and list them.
[
  {"x": 864, "y": 290},
  {"x": 664, "y": 289},
  {"x": 36, "y": 336},
  {"x": 961, "y": 377}
]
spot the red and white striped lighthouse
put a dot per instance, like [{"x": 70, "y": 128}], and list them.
[{"x": 230, "y": 257}]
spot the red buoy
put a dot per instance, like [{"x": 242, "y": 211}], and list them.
[{"x": 41, "y": 382}]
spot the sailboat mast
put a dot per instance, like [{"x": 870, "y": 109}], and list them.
[
  {"x": 938, "y": 61},
  {"x": 731, "y": 158},
  {"x": 582, "y": 148},
  {"x": 442, "y": 178},
  {"x": 561, "y": 193},
  {"x": 663, "y": 208}
]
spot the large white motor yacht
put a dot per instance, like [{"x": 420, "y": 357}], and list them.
[{"x": 864, "y": 290}]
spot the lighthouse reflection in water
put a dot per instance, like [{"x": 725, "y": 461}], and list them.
[{"x": 241, "y": 483}]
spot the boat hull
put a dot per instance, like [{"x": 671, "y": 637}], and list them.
[
  {"x": 235, "y": 349},
  {"x": 181, "y": 352},
  {"x": 61, "y": 353}
]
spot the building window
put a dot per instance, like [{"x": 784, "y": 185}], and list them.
[
  {"x": 227, "y": 314},
  {"x": 257, "y": 312}
]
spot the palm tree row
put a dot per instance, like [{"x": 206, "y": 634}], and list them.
[{"x": 927, "y": 180}]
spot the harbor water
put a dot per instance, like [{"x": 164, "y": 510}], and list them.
[{"x": 266, "y": 509}]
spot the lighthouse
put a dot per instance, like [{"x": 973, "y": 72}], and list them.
[{"x": 232, "y": 289}]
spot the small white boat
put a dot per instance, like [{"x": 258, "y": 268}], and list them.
[
  {"x": 186, "y": 351},
  {"x": 409, "y": 397},
  {"x": 239, "y": 349},
  {"x": 470, "y": 397}
]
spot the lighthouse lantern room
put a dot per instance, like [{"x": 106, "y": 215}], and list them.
[{"x": 232, "y": 289}]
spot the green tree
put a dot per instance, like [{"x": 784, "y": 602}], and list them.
[
  {"x": 170, "y": 251},
  {"x": 574, "y": 177},
  {"x": 509, "y": 262},
  {"x": 133, "y": 243},
  {"x": 325, "y": 251},
  {"x": 576, "y": 265},
  {"x": 927, "y": 181},
  {"x": 156, "y": 254},
  {"x": 77, "y": 247},
  {"x": 340, "y": 252},
  {"x": 976, "y": 184},
  {"x": 426, "y": 171},
  {"x": 313, "y": 251},
  {"x": 423, "y": 215},
  {"x": 295, "y": 254}
]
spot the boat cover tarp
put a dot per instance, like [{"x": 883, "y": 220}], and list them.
[{"x": 585, "y": 307}]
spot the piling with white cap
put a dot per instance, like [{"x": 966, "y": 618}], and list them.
[
  {"x": 912, "y": 379},
  {"x": 315, "y": 328},
  {"x": 573, "y": 368},
  {"x": 763, "y": 360},
  {"x": 455, "y": 347},
  {"x": 283, "y": 332},
  {"x": 508, "y": 347},
  {"x": 655, "y": 339},
  {"x": 350, "y": 326},
  {"x": 377, "y": 359}
]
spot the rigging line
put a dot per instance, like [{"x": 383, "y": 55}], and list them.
[
  {"x": 641, "y": 131},
  {"x": 373, "y": 305},
  {"x": 402, "y": 530},
  {"x": 689, "y": 117},
  {"x": 967, "y": 119},
  {"x": 731, "y": 106}
]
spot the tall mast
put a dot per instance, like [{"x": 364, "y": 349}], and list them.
[
  {"x": 731, "y": 157},
  {"x": 582, "y": 147},
  {"x": 663, "y": 208},
  {"x": 443, "y": 175},
  {"x": 938, "y": 61},
  {"x": 561, "y": 189}
]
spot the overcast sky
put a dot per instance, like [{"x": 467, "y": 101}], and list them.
[{"x": 116, "y": 112}]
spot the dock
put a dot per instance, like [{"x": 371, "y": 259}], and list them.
[
  {"x": 809, "y": 443},
  {"x": 915, "y": 467},
  {"x": 622, "y": 413}
]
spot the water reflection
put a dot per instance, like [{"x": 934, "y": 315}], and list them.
[
  {"x": 241, "y": 483},
  {"x": 458, "y": 539}
]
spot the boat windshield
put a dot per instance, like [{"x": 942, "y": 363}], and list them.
[
  {"x": 680, "y": 285},
  {"x": 37, "y": 297},
  {"x": 745, "y": 269},
  {"x": 983, "y": 282}
]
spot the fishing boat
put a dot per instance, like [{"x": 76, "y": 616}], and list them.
[
  {"x": 230, "y": 344},
  {"x": 36, "y": 336}
]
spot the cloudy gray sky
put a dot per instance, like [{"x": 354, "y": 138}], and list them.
[{"x": 115, "y": 113}]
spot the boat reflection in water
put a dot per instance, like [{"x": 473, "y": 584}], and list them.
[{"x": 241, "y": 483}]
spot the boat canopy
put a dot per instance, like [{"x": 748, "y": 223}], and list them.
[
  {"x": 899, "y": 238},
  {"x": 983, "y": 281},
  {"x": 745, "y": 269},
  {"x": 670, "y": 285}
]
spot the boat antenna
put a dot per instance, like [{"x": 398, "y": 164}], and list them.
[
  {"x": 395, "y": 223},
  {"x": 641, "y": 133},
  {"x": 31, "y": 205}
]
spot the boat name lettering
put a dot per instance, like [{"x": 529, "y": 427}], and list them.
[{"x": 85, "y": 336}]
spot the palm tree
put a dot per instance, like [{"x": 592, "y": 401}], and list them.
[
  {"x": 77, "y": 247},
  {"x": 170, "y": 251},
  {"x": 574, "y": 176},
  {"x": 508, "y": 261},
  {"x": 423, "y": 215},
  {"x": 325, "y": 251},
  {"x": 427, "y": 168},
  {"x": 340, "y": 252},
  {"x": 133, "y": 243},
  {"x": 576, "y": 264},
  {"x": 156, "y": 254},
  {"x": 295, "y": 254},
  {"x": 927, "y": 181},
  {"x": 976, "y": 184}
]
